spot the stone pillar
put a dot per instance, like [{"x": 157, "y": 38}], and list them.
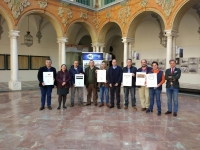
[
  {"x": 170, "y": 35},
  {"x": 98, "y": 46},
  {"x": 101, "y": 48},
  {"x": 127, "y": 49},
  {"x": 14, "y": 83},
  {"x": 174, "y": 47},
  {"x": 62, "y": 52}
]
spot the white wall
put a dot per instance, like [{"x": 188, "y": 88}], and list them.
[{"x": 47, "y": 47}]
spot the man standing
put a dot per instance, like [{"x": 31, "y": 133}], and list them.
[
  {"x": 91, "y": 83},
  {"x": 46, "y": 90},
  {"x": 75, "y": 69},
  {"x": 172, "y": 76},
  {"x": 143, "y": 90},
  {"x": 114, "y": 81},
  {"x": 133, "y": 70}
]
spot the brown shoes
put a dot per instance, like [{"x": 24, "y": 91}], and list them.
[
  {"x": 107, "y": 104},
  {"x": 135, "y": 108},
  {"x": 143, "y": 109},
  {"x": 101, "y": 104},
  {"x": 125, "y": 107}
]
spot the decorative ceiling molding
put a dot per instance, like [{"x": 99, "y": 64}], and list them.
[
  {"x": 124, "y": 13},
  {"x": 167, "y": 6},
  {"x": 65, "y": 13},
  {"x": 96, "y": 20},
  {"x": 143, "y": 3},
  {"x": 43, "y": 3},
  {"x": 17, "y": 6},
  {"x": 83, "y": 14}
]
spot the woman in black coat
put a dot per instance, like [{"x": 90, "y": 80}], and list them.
[{"x": 63, "y": 85}]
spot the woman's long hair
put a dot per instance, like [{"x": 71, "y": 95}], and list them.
[{"x": 65, "y": 66}]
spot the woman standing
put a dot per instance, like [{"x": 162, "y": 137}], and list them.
[
  {"x": 63, "y": 84},
  {"x": 104, "y": 88},
  {"x": 156, "y": 90}
]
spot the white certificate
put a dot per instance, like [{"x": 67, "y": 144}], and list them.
[
  {"x": 151, "y": 80},
  {"x": 48, "y": 78},
  {"x": 79, "y": 80},
  {"x": 127, "y": 79},
  {"x": 101, "y": 76},
  {"x": 140, "y": 78}
]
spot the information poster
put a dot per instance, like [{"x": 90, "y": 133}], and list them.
[
  {"x": 48, "y": 78},
  {"x": 127, "y": 79},
  {"x": 101, "y": 76},
  {"x": 140, "y": 78},
  {"x": 79, "y": 80},
  {"x": 151, "y": 80}
]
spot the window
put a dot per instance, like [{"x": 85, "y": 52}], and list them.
[
  {"x": 108, "y": 1},
  {"x": 85, "y": 2}
]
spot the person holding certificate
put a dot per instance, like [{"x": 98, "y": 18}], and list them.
[
  {"x": 104, "y": 87},
  {"x": 156, "y": 91},
  {"x": 130, "y": 69},
  {"x": 172, "y": 75},
  {"x": 75, "y": 69},
  {"x": 45, "y": 88},
  {"x": 63, "y": 85},
  {"x": 143, "y": 90},
  {"x": 114, "y": 81},
  {"x": 91, "y": 83}
]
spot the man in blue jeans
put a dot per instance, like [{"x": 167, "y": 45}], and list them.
[
  {"x": 46, "y": 90},
  {"x": 130, "y": 69},
  {"x": 172, "y": 76}
]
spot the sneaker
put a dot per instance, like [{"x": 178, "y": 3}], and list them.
[{"x": 49, "y": 107}]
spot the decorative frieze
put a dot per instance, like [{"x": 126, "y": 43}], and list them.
[
  {"x": 108, "y": 13},
  {"x": 167, "y": 5},
  {"x": 96, "y": 20},
  {"x": 83, "y": 14},
  {"x": 65, "y": 13},
  {"x": 17, "y": 6},
  {"x": 143, "y": 3},
  {"x": 124, "y": 13},
  {"x": 43, "y": 3}
]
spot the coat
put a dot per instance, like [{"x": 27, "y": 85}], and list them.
[
  {"x": 175, "y": 77},
  {"x": 87, "y": 75},
  {"x": 117, "y": 76},
  {"x": 59, "y": 79},
  {"x": 40, "y": 75}
]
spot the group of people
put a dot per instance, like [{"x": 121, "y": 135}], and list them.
[{"x": 65, "y": 79}]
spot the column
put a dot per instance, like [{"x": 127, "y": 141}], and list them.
[
  {"x": 174, "y": 47},
  {"x": 14, "y": 83},
  {"x": 97, "y": 48},
  {"x": 127, "y": 48},
  {"x": 62, "y": 52},
  {"x": 101, "y": 48},
  {"x": 170, "y": 34}
]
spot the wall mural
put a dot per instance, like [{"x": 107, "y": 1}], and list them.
[
  {"x": 167, "y": 5},
  {"x": 17, "y": 6}
]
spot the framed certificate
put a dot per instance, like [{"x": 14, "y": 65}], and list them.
[
  {"x": 127, "y": 79},
  {"x": 151, "y": 80},
  {"x": 48, "y": 78},
  {"x": 101, "y": 76},
  {"x": 79, "y": 80},
  {"x": 140, "y": 78}
]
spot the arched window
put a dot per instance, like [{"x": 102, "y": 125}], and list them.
[
  {"x": 108, "y": 1},
  {"x": 85, "y": 2}
]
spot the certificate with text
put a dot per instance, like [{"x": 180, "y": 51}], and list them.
[
  {"x": 140, "y": 78},
  {"x": 127, "y": 79},
  {"x": 48, "y": 78},
  {"x": 79, "y": 80},
  {"x": 101, "y": 76},
  {"x": 151, "y": 80}
]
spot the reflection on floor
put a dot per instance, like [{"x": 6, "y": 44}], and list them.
[{"x": 23, "y": 126}]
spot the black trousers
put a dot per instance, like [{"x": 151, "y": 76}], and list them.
[{"x": 115, "y": 90}]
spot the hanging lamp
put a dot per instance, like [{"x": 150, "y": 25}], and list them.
[{"x": 28, "y": 38}]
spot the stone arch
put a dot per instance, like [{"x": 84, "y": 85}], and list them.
[
  {"x": 48, "y": 16},
  {"x": 7, "y": 17},
  {"x": 104, "y": 29},
  {"x": 138, "y": 17},
  {"x": 180, "y": 12},
  {"x": 86, "y": 25}
]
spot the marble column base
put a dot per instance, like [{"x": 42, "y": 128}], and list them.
[{"x": 14, "y": 85}]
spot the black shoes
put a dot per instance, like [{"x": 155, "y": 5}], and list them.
[
  {"x": 49, "y": 107},
  {"x": 118, "y": 107},
  {"x": 87, "y": 104},
  {"x": 41, "y": 108},
  {"x": 111, "y": 107},
  {"x": 58, "y": 108},
  {"x": 65, "y": 107},
  {"x": 175, "y": 114},
  {"x": 72, "y": 105},
  {"x": 168, "y": 112}
]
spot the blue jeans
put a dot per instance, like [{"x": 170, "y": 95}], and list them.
[
  {"x": 79, "y": 90},
  {"x": 104, "y": 90},
  {"x": 46, "y": 91},
  {"x": 126, "y": 95},
  {"x": 172, "y": 93},
  {"x": 155, "y": 92}
]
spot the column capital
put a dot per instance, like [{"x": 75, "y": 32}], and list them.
[
  {"x": 100, "y": 44},
  {"x": 14, "y": 33},
  {"x": 173, "y": 33},
  {"x": 62, "y": 39},
  {"x": 127, "y": 40}
]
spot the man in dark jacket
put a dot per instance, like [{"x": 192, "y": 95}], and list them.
[
  {"x": 172, "y": 76},
  {"x": 91, "y": 83},
  {"x": 114, "y": 81},
  {"x": 46, "y": 90},
  {"x": 130, "y": 69},
  {"x": 75, "y": 69},
  {"x": 143, "y": 90}
]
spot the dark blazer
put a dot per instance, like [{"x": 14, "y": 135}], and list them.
[
  {"x": 40, "y": 74},
  {"x": 132, "y": 70},
  {"x": 87, "y": 75},
  {"x": 59, "y": 79},
  {"x": 72, "y": 72},
  {"x": 174, "y": 78},
  {"x": 117, "y": 76}
]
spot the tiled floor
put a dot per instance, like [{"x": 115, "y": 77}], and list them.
[{"x": 24, "y": 127}]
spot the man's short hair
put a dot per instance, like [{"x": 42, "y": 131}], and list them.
[
  {"x": 172, "y": 60},
  {"x": 75, "y": 60},
  {"x": 103, "y": 62},
  {"x": 115, "y": 60},
  {"x": 144, "y": 60},
  {"x": 129, "y": 59},
  {"x": 48, "y": 59},
  {"x": 91, "y": 61}
]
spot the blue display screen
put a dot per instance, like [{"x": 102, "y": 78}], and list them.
[{"x": 92, "y": 56}]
